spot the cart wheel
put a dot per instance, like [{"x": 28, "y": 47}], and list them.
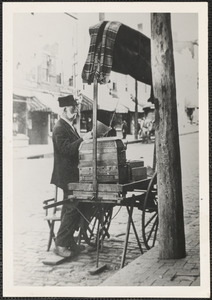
[
  {"x": 89, "y": 230},
  {"x": 150, "y": 214}
]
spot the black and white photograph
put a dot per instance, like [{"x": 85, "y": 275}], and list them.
[{"x": 105, "y": 150}]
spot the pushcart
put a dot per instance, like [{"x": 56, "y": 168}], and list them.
[{"x": 97, "y": 214}]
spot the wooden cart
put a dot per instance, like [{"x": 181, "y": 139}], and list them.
[
  {"x": 96, "y": 221},
  {"x": 97, "y": 213}
]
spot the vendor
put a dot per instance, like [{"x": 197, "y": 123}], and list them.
[{"x": 66, "y": 142}]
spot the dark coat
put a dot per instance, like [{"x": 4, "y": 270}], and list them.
[{"x": 66, "y": 143}]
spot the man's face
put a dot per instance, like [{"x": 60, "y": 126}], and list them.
[{"x": 72, "y": 112}]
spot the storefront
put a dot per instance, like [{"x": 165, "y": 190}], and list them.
[{"x": 33, "y": 120}]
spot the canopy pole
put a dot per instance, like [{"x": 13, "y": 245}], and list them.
[
  {"x": 95, "y": 90},
  {"x": 136, "y": 111}
]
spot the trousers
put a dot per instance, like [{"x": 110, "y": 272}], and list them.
[{"x": 70, "y": 218}]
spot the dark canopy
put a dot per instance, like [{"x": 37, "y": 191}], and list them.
[
  {"x": 132, "y": 54},
  {"x": 117, "y": 47}
]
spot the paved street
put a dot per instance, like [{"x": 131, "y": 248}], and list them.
[{"x": 31, "y": 187}]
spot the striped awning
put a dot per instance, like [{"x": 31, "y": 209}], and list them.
[
  {"x": 86, "y": 104},
  {"x": 37, "y": 101},
  {"x": 107, "y": 103},
  {"x": 48, "y": 100},
  {"x": 34, "y": 104}
]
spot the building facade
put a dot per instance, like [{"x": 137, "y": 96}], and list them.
[
  {"x": 44, "y": 69},
  {"x": 49, "y": 54}
]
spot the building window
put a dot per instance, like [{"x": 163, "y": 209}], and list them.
[{"x": 47, "y": 68}]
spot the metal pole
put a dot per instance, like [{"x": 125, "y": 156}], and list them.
[
  {"x": 95, "y": 138},
  {"x": 154, "y": 157},
  {"x": 136, "y": 111}
]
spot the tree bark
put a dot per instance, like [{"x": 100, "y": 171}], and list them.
[{"x": 171, "y": 222}]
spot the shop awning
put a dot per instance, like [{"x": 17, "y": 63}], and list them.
[
  {"x": 35, "y": 104},
  {"x": 48, "y": 100},
  {"x": 121, "y": 109},
  {"x": 37, "y": 101},
  {"x": 19, "y": 98},
  {"x": 87, "y": 103},
  {"x": 132, "y": 108},
  {"x": 107, "y": 103},
  {"x": 21, "y": 92}
]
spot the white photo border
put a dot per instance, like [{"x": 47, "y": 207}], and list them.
[{"x": 9, "y": 290}]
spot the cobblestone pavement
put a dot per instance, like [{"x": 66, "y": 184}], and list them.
[
  {"x": 29, "y": 269},
  {"x": 31, "y": 187}
]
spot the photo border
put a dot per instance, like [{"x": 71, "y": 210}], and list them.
[{"x": 201, "y": 8}]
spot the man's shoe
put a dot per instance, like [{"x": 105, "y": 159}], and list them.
[
  {"x": 63, "y": 251},
  {"x": 77, "y": 248}
]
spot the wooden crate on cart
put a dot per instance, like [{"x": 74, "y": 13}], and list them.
[{"x": 111, "y": 161}]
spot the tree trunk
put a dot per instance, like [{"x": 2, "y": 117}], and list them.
[{"x": 171, "y": 223}]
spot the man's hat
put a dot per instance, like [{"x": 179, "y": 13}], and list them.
[{"x": 67, "y": 101}]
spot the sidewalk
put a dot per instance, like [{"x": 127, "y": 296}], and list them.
[
  {"x": 149, "y": 270},
  {"x": 41, "y": 151},
  {"x": 33, "y": 151}
]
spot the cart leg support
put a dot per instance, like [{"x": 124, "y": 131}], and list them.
[
  {"x": 130, "y": 211},
  {"x": 130, "y": 220},
  {"x": 135, "y": 232}
]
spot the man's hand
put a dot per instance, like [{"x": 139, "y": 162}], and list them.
[{"x": 88, "y": 136}]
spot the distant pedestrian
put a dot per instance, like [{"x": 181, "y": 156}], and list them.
[
  {"x": 140, "y": 132},
  {"x": 151, "y": 128},
  {"x": 124, "y": 129},
  {"x": 89, "y": 124},
  {"x": 145, "y": 131},
  {"x": 138, "y": 126}
]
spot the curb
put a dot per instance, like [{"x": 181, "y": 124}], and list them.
[
  {"x": 186, "y": 133},
  {"x": 46, "y": 155},
  {"x": 152, "y": 141}
]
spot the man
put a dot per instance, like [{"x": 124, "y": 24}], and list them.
[
  {"x": 124, "y": 129},
  {"x": 66, "y": 142}
]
